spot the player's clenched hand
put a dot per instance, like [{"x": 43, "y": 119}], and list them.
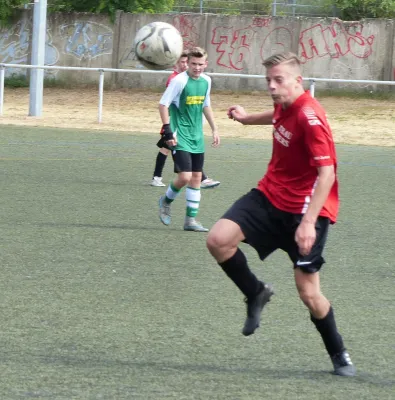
[
  {"x": 168, "y": 135},
  {"x": 236, "y": 112},
  {"x": 216, "y": 139},
  {"x": 305, "y": 236}
]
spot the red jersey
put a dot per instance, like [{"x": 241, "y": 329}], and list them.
[
  {"x": 175, "y": 73},
  {"x": 302, "y": 141}
]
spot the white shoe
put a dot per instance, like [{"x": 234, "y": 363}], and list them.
[
  {"x": 157, "y": 181},
  {"x": 209, "y": 183}
]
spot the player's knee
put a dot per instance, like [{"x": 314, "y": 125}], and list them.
[
  {"x": 183, "y": 179},
  {"x": 164, "y": 151},
  {"x": 213, "y": 241}
]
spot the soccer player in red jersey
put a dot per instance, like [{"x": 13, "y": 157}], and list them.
[
  {"x": 291, "y": 208},
  {"x": 207, "y": 183}
]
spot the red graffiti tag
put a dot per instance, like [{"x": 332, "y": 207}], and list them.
[
  {"x": 334, "y": 41},
  {"x": 186, "y": 26},
  {"x": 233, "y": 46},
  {"x": 276, "y": 41},
  {"x": 261, "y": 22}
]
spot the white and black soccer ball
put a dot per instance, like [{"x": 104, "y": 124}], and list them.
[{"x": 158, "y": 45}]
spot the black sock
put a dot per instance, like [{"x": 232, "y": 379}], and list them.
[
  {"x": 237, "y": 269},
  {"x": 204, "y": 176},
  {"x": 159, "y": 164},
  {"x": 328, "y": 330}
]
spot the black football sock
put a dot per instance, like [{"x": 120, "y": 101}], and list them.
[
  {"x": 159, "y": 164},
  {"x": 238, "y": 271},
  {"x": 204, "y": 176},
  {"x": 328, "y": 330}
]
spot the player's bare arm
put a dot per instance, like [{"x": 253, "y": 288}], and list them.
[
  {"x": 208, "y": 113},
  {"x": 305, "y": 234},
  {"x": 238, "y": 113},
  {"x": 164, "y": 114}
]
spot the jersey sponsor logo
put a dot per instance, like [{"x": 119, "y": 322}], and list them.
[
  {"x": 282, "y": 135},
  {"x": 322, "y": 158},
  {"x": 311, "y": 116},
  {"x": 191, "y": 100}
]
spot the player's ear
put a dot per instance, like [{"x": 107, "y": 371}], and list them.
[{"x": 299, "y": 79}]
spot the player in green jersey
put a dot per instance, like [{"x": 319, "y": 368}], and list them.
[{"x": 186, "y": 99}]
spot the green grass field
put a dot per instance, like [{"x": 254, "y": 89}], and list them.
[{"x": 99, "y": 300}]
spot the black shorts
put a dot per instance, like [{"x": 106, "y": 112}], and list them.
[
  {"x": 184, "y": 161},
  {"x": 266, "y": 229}
]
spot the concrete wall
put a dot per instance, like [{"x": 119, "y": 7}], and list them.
[{"x": 329, "y": 48}]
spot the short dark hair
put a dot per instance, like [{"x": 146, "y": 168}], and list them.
[
  {"x": 197, "y": 52},
  {"x": 184, "y": 53},
  {"x": 282, "y": 58}
]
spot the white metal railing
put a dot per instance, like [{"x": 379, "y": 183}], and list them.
[{"x": 101, "y": 71}]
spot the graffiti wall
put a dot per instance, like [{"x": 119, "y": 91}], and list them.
[
  {"x": 328, "y": 48},
  {"x": 77, "y": 40}
]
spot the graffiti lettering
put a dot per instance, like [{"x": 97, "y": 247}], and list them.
[
  {"x": 277, "y": 40},
  {"x": 261, "y": 22},
  {"x": 86, "y": 39},
  {"x": 186, "y": 26},
  {"x": 14, "y": 46},
  {"x": 233, "y": 46},
  {"x": 334, "y": 41},
  {"x": 14, "y": 43}
]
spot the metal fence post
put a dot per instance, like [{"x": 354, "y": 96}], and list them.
[
  {"x": 2, "y": 74},
  {"x": 274, "y": 8},
  {"x": 312, "y": 87},
  {"x": 101, "y": 88}
]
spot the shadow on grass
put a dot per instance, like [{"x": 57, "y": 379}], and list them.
[
  {"x": 180, "y": 368},
  {"x": 61, "y": 225}
]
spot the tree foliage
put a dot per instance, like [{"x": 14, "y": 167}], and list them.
[
  {"x": 8, "y": 8},
  {"x": 111, "y": 6},
  {"x": 346, "y": 9},
  {"x": 353, "y": 10}
]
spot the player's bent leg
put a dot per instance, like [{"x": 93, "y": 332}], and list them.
[
  {"x": 193, "y": 196},
  {"x": 165, "y": 201},
  {"x": 183, "y": 179},
  {"x": 322, "y": 315},
  {"x": 222, "y": 242},
  {"x": 164, "y": 211},
  {"x": 223, "y": 239},
  {"x": 159, "y": 165},
  {"x": 308, "y": 286}
]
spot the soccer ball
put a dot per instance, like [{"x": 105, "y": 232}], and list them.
[{"x": 158, "y": 45}]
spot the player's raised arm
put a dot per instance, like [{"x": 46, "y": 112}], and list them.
[{"x": 237, "y": 113}]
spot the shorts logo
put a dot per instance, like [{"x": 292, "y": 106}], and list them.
[{"x": 300, "y": 263}]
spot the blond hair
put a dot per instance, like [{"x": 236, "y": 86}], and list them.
[{"x": 282, "y": 58}]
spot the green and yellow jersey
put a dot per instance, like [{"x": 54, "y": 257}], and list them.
[{"x": 186, "y": 98}]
